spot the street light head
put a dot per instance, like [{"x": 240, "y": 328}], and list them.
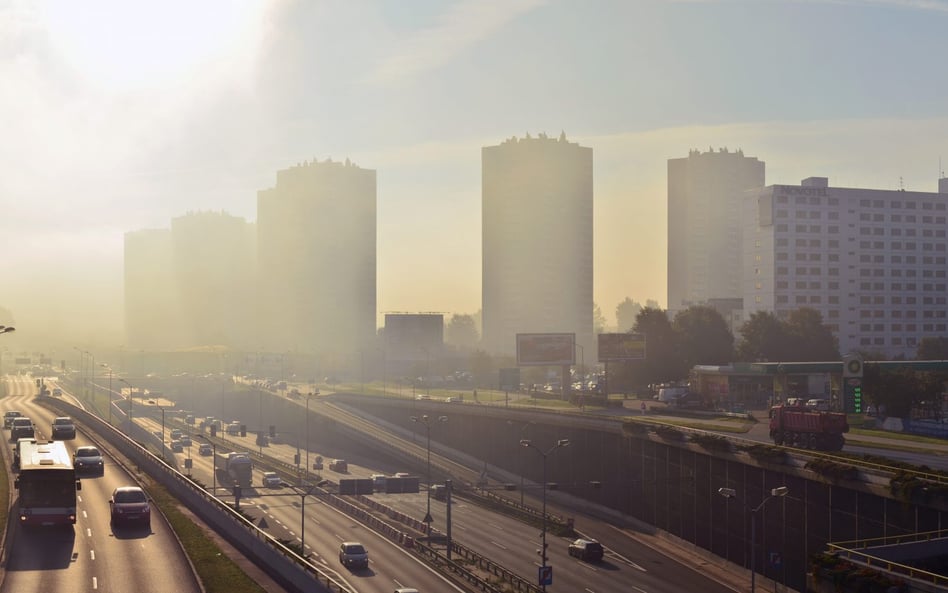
[
  {"x": 727, "y": 492},
  {"x": 781, "y": 491},
  {"x": 525, "y": 442},
  {"x": 442, "y": 419},
  {"x": 562, "y": 443},
  {"x": 414, "y": 418}
]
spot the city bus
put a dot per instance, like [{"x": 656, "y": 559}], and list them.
[{"x": 47, "y": 484}]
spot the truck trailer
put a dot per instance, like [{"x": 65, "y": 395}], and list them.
[
  {"x": 235, "y": 468},
  {"x": 797, "y": 426}
]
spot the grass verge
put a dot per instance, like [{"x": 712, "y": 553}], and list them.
[
  {"x": 897, "y": 436},
  {"x": 722, "y": 425},
  {"x": 218, "y": 573}
]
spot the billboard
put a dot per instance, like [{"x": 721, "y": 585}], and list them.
[
  {"x": 616, "y": 347},
  {"x": 546, "y": 349}
]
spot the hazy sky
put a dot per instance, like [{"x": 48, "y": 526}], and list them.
[{"x": 119, "y": 115}]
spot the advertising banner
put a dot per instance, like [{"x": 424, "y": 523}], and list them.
[{"x": 546, "y": 349}]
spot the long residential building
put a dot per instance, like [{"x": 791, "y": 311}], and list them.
[
  {"x": 873, "y": 262},
  {"x": 537, "y": 240}
]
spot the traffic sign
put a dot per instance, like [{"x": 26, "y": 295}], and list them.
[
  {"x": 545, "y": 575},
  {"x": 852, "y": 366}
]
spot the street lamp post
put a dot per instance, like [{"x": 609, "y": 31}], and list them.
[
  {"x": 308, "y": 395},
  {"x": 92, "y": 378},
  {"x": 303, "y": 494},
  {"x": 426, "y": 420},
  {"x": 131, "y": 391},
  {"x": 582, "y": 374},
  {"x": 110, "y": 391},
  {"x": 82, "y": 354},
  {"x": 162, "y": 408},
  {"x": 730, "y": 493},
  {"x": 544, "y": 454},
  {"x": 523, "y": 429},
  {"x": 260, "y": 441}
]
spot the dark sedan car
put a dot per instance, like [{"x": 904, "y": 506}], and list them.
[
  {"x": 129, "y": 504},
  {"x": 88, "y": 460}
]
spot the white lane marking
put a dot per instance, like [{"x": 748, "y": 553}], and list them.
[
  {"x": 84, "y": 515},
  {"x": 623, "y": 558},
  {"x": 79, "y": 498},
  {"x": 95, "y": 583},
  {"x": 89, "y": 532},
  {"x": 92, "y": 554},
  {"x": 499, "y": 545}
]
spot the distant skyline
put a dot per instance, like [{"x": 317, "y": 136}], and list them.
[{"x": 120, "y": 117}]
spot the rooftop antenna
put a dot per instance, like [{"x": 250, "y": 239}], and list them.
[
  {"x": 941, "y": 171},
  {"x": 901, "y": 184}
]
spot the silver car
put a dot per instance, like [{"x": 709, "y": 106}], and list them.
[{"x": 353, "y": 555}]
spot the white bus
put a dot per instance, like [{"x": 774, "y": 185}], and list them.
[{"x": 47, "y": 484}]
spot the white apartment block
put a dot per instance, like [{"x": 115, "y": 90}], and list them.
[{"x": 874, "y": 263}]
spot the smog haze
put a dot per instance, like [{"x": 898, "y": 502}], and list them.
[{"x": 120, "y": 117}]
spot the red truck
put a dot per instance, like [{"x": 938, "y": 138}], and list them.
[{"x": 796, "y": 426}]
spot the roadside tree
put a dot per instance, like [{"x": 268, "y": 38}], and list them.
[{"x": 704, "y": 337}]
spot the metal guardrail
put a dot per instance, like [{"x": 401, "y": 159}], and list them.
[
  {"x": 805, "y": 454},
  {"x": 894, "y": 567},
  {"x": 888, "y": 540},
  {"x": 280, "y": 562},
  {"x": 236, "y": 527},
  {"x": 484, "y": 563}
]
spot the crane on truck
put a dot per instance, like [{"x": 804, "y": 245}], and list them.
[
  {"x": 806, "y": 428},
  {"x": 235, "y": 468}
]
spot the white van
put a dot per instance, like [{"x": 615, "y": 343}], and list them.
[{"x": 670, "y": 394}]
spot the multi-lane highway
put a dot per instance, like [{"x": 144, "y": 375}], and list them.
[
  {"x": 95, "y": 556},
  {"x": 92, "y": 556},
  {"x": 278, "y": 511},
  {"x": 628, "y": 566}
]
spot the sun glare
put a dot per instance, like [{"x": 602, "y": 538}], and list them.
[{"x": 123, "y": 45}]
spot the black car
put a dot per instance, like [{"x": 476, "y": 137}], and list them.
[
  {"x": 586, "y": 549},
  {"x": 88, "y": 460},
  {"x": 63, "y": 428},
  {"x": 129, "y": 504},
  {"x": 8, "y": 418}
]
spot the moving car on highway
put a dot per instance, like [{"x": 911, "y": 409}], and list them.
[
  {"x": 9, "y": 416},
  {"x": 353, "y": 555},
  {"x": 129, "y": 505},
  {"x": 88, "y": 460},
  {"x": 271, "y": 480},
  {"x": 63, "y": 429}
]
